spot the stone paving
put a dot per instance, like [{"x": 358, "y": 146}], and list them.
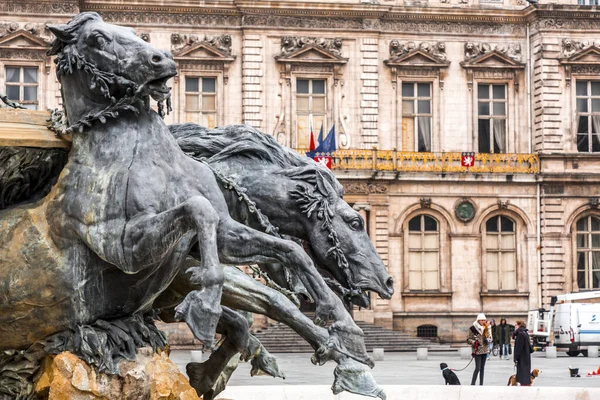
[{"x": 404, "y": 369}]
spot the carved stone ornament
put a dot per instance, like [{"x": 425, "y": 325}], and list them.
[
  {"x": 221, "y": 43},
  {"x": 483, "y": 62},
  {"x": 290, "y": 44},
  {"x": 594, "y": 202},
  {"x": 511, "y": 50},
  {"x": 582, "y": 58},
  {"x": 465, "y": 209},
  {"x": 503, "y": 204},
  {"x": 425, "y": 202},
  {"x": 145, "y": 36},
  {"x": 399, "y": 49},
  {"x": 364, "y": 188}
]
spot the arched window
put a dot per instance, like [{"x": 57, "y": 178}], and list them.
[
  {"x": 423, "y": 253},
  {"x": 588, "y": 252},
  {"x": 501, "y": 253}
]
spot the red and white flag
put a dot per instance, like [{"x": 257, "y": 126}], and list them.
[
  {"x": 323, "y": 160},
  {"x": 467, "y": 159},
  {"x": 311, "y": 143}
]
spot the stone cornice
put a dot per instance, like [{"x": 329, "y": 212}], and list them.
[{"x": 41, "y": 8}]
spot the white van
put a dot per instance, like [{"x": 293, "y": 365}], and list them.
[{"x": 568, "y": 326}]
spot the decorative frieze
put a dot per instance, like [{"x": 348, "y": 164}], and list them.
[
  {"x": 399, "y": 49},
  {"x": 183, "y": 19},
  {"x": 511, "y": 50},
  {"x": 364, "y": 188},
  {"x": 290, "y": 44},
  {"x": 64, "y": 8}
]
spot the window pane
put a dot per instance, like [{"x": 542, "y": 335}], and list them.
[
  {"x": 491, "y": 241},
  {"x": 583, "y": 142},
  {"x": 414, "y": 258},
  {"x": 318, "y": 87},
  {"x": 423, "y": 89},
  {"x": 414, "y": 280},
  {"x": 30, "y": 93},
  {"x": 209, "y": 103},
  {"x": 499, "y": 135},
  {"x": 302, "y": 86},
  {"x": 596, "y": 260},
  {"x": 484, "y": 108},
  {"x": 507, "y": 225},
  {"x": 484, "y": 136},
  {"x": 191, "y": 84},
  {"x": 208, "y": 120},
  {"x": 582, "y": 224},
  {"x": 581, "y": 88},
  {"x": 499, "y": 91},
  {"x": 414, "y": 241},
  {"x": 431, "y": 281},
  {"x": 509, "y": 279},
  {"x": 424, "y": 107},
  {"x": 302, "y": 104},
  {"x": 424, "y": 133},
  {"x": 483, "y": 91},
  {"x": 408, "y": 89},
  {"x": 581, "y": 260},
  {"x": 595, "y": 142},
  {"x": 595, "y": 224},
  {"x": 596, "y": 241},
  {"x": 318, "y": 104},
  {"x": 192, "y": 103},
  {"x": 595, "y": 105},
  {"x": 499, "y": 109},
  {"x": 408, "y": 107},
  {"x": 582, "y": 126},
  {"x": 13, "y": 92},
  {"x": 430, "y": 261},
  {"x": 507, "y": 242},
  {"x": 582, "y": 105},
  {"x": 492, "y": 225},
  {"x": 595, "y": 88},
  {"x": 582, "y": 241},
  {"x": 581, "y": 279},
  {"x": 209, "y": 85},
  {"x": 12, "y": 74},
  {"x": 430, "y": 241},
  {"x": 430, "y": 224},
  {"x": 30, "y": 75},
  {"x": 595, "y": 280},
  {"x": 415, "y": 224}
]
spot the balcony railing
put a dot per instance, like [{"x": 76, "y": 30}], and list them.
[{"x": 406, "y": 161}]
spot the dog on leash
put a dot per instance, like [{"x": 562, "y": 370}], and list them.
[
  {"x": 449, "y": 375},
  {"x": 512, "y": 381}
]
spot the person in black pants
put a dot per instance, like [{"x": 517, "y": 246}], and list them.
[
  {"x": 479, "y": 337},
  {"x": 522, "y": 354},
  {"x": 504, "y": 333}
]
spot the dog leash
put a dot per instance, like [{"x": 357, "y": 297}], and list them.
[{"x": 462, "y": 369}]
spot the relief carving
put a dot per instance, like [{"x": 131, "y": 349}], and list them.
[
  {"x": 40, "y": 8},
  {"x": 570, "y": 46},
  {"x": 38, "y": 30},
  {"x": 355, "y": 188},
  {"x": 511, "y": 50},
  {"x": 290, "y": 44},
  {"x": 398, "y": 49},
  {"x": 222, "y": 43}
]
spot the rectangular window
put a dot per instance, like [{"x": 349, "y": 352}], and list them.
[
  {"x": 201, "y": 100},
  {"x": 423, "y": 253},
  {"x": 587, "y": 94},
  {"x": 491, "y": 112},
  {"x": 416, "y": 116},
  {"x": 22, "y": 86},
  {"x": 311, "y": 105},
  {"x": 588, "y": 2}
]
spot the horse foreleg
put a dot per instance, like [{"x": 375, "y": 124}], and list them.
[
  {"x": 239, "y": 244},
  {"x": 149, "y": 238},
  {"x": 235, "y": 328}
]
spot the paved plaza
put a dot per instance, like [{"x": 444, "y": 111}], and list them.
[{"x": 404, "y": 369}]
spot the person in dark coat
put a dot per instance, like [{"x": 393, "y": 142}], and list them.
[
  {"x": 522, "y": 354},
  {"x": 504, "y": 333}
]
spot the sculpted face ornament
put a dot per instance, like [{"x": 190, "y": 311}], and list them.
[{"x": 137, "y": 78}]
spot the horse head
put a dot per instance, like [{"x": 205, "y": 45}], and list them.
[
  {"x": 337, "y": 236},
  {"x": 106, "y": 68}
]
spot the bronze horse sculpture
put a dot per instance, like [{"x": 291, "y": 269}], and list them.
[{"x": 128, "y": 207}]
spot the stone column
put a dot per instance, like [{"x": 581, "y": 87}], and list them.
[{"x": 362, "y": 209}]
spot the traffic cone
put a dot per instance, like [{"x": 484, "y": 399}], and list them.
[
  {"x": 594, "y": 373},
  {"x": 598, "y": 370}
]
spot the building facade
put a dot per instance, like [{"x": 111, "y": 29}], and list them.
[{"x": 409, "y": 86}]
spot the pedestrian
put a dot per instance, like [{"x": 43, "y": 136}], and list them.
[
  {"x": 503, "y": 334},
  {"x": 522, "y": 354},
  {"x": 494, "y": 340},
  {"x": 479, "y": 338}
]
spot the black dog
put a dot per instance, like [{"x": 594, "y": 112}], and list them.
[{"x": 449, "y": 375}]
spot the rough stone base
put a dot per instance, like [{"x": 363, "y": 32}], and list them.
[{"x": 151, "y": 376}]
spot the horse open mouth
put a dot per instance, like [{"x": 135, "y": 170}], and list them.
[{"x": 158, "y": 89}]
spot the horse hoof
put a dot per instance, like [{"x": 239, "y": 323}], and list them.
[{"x": 198, "y": 377}]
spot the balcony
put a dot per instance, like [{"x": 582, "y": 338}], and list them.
[{"x": 405, "y": 161}]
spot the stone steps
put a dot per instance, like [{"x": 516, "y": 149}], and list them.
[{"x": 279, "y": 338}]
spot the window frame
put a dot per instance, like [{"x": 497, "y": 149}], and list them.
[
  {"x": 589, "y": 101},
  {"x": 422, "y": 250},
  {"x": 199, "y": 114},
  {"x": 327, "y": 114},
  {"x": 21, "y": 84},
  {"x": 589, "y": 249},
  {"x": 416, "y": 114},
  {"x": 490, "y": 116},
  {"x": 515, "y": 250}
]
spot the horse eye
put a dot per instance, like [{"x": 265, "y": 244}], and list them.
[
  {"x": 356, "y": 224},
  {"x": 101, "y": 41}
]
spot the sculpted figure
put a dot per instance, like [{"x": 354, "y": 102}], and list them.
[{"x": 128, "y": 207}]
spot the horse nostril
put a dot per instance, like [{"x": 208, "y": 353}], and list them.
[
  {"x": 389, "y": 283},
  {"x": 156, "y": 58}
]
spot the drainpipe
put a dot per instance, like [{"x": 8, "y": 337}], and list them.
[
  {"x": 539, "y": 243},
  {"x": 528, "y": 80}
]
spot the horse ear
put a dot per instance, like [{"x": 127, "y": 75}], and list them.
[
  {"x": 325, "y": 187},
  {"x": 61, "y": 32}
]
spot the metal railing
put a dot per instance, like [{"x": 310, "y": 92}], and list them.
[{"x": 408, "y": 161}]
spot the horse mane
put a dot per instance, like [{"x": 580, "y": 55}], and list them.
[
  {"x": 243, "y": 141},
  {"x": 70, "y": 31}
]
